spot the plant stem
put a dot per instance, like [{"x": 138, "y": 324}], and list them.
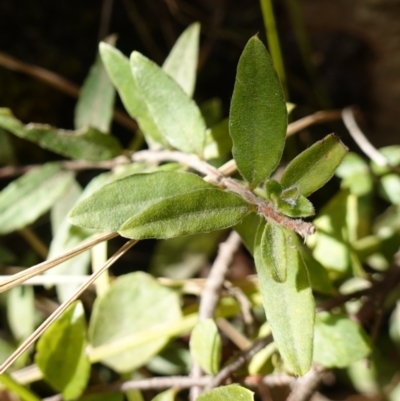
[{"x": 273, "y": 42}]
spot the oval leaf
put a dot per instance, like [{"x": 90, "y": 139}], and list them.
[
  {"x": 191, "y": 213},
  {"x": 181, "y": 63},
  {"x": 177, "y": 117},
  {"x": 168, "y": 395},
  {"x": 273, "y": 251},
  {"x": 87, "y": 143},
  {"x": 96, "y": 98},
  {"x": 224, "y": 393},
  {"x": 301, "y": 207},
  {"x": 119, "y": 71},
  {"x": 338, "y": 341},
  {"x": 61, "y": 355},
  {"x": 206, "y": 346},
  {"x": 135, "y": 303},
  {"x": 30, "y": 196},
  {"x": 289, "y": 306},
  {"x": 311, "y": 169},
  {"x": 108, "y": 208},
  {"x": 258, "y": 116}
]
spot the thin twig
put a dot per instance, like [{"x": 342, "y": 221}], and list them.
[
  {"x": 305, "y": 386},
  {"x": 57, "y": 82},
  {"x": 210, "y": 296},
  {"x": 63, "y": 307},
  {"x": 34, "y": 241},
  {"x": 215, "y": 280},
  {"x": 154, "y": 383},
  {"x": 24, "y": 275},
  {"x": 238, "y": 362},
  {"x": 362, "y": 141},
  {"x": 50, "y": 279},
  {"x": 106, "y": 11}
]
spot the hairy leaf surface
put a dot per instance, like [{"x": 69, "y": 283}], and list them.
[
  {"x": 190, "y": 213},
  {"x": 177, "y": 117},
  {"x": 96, "y": 98},
  {"x": 258, "y": 116},
  {"x": 181, "y": 63},
  {"x": 311, "y": 169},
  {"x": 108, "y": 208},
  {"x": 32, "y": 195},
  {"x": 87, "y": 143},
  {"x": 289, "y": 306},
  {"x": 230, "y": 392},
  {"x": 119, "y": 71}
]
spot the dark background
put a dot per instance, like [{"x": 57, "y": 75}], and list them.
[{"x": 355, "y": 48}]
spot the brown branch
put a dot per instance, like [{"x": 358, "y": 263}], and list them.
[
  {"x": 305, "y": 386},
  {"x": 238, "y": 362},
  {"x": 57, "y": 82},
  {"x": 210, "y": 295},
  {"x": 154, "y": 383}
]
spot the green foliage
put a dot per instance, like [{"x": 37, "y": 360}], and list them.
[
  {"x": 258, "y": 116},
  {"x": 231, "y": 392},
  {"x": 135, "y": 303},
  {"x": 61, "y": 354},
  {"x": 181, "y": 193},
  {"x": 87, "y": 143},
  {"x": 206, "y": 346}
]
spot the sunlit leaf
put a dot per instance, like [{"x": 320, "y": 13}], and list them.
[
  {"x": 206, "y": 346},
  {"x": 111, "y": 206},
  {"x": 194, "y": 212},
  {"x": 176, "y": 116},
  {"x": 181, "y": 63},
  {"x": 119, "y": 71},
  {"x": 21, "y": 311},
  {"x": 273, "y": 251},
  {"x": 167, "y": 395},
  {"x": 30, "y": 196},
  {"x": 87, "y": 143},
  {"x": 289, "y": 306},
  {"x": 66, "y": 237},
  {"x": 224, "y": 393},
  {"x": 312, "y": 168},
  {"x": 61, "y": 354},
  {"x": 338, "y": 341},
  {"x": 96, "y": 98},
  {"x": 258, "y": 116},
  {"x": 135, "y": 303}
]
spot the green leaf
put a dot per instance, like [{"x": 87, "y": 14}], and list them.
[
  {"x": 168, "y": 395},
  {"x": 258, "y": 116},
  {"x": 21, "y": 311},
  {"x": 119, "y": 71},
  {"x": 61, "y": 353},
  {"x": 135, "y": 303},
  {"x": 173, "y": 360},
  {"x": 191, "y": 213},
  {"x": 181, "y": 63},
  {"x": 30, "y": 196},
  {"x": 273, "y": 251},
  {"x": 289, "y": 306},
  {"x": 96, "y": 98},
  {"x": 301, "y": 207},
  {"x": 225, "y": 393},
  {"x": 206, "y": 346},
  {"x": 218, "y": 141},
  {"x": 66, "y": 237},
  {"x": 338, "y": 341},
  {"x": 311, "y": 169},
  {"x": 7, "y": 154},
  {"x": 87, "y": 143},
  {"x": 108, "y": 208},
  {"x": 176, "y": 116}
]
